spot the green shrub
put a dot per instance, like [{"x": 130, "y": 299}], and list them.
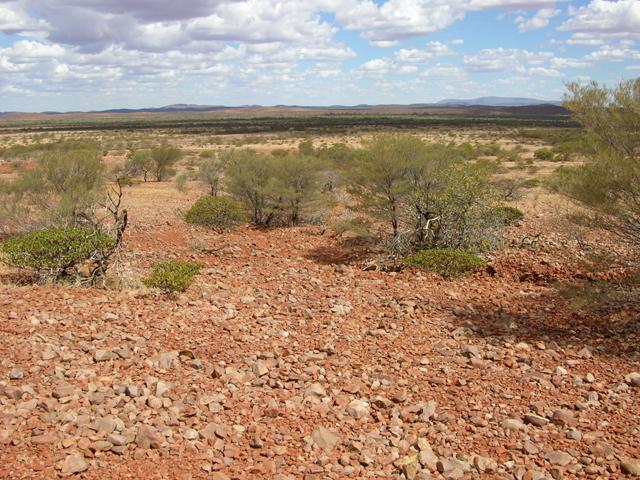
[
  {"x": 543, "y": 154},
  {"x": 52, "y": 251},
  {"x": 172, "y": 276},
  {"x": 219, "y": 213},
  {"x": 448, "y": 262},
  {"x": 509, "y": 215}
]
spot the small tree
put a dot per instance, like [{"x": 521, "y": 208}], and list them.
[
  {"x": 163, "y": 160},
  {"x": 62, "y": 189},
  {"x": 608, "y": 183},
  {"x": 294, "y": 184},
  {"x": 218, "y": 213},
  {"x": 379, "y": 176},
  {"x": 248, "y": 176},
  {"x": 210, "y": 173},
  {"x": 139, "y": 163}
]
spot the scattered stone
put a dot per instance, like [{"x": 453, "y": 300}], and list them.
[
  {"x": 324, "y": 438},
  {"x": 512, "y": 424},
  {"x": 358, "y": 409},
  {"x": 557, "y": 457},
  {"x": 148, "y": 437},
  {"x": 633, "y": 379},
  {"x": 15, "y": 374},
  {"x": 631, "y": 466},
  {"x": 74, "y": 463}
]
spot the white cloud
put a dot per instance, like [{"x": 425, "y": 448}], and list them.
[
  {"x": 415, "y": 55},
  {"x": 14, "y": 20},
  {"x": 505, "y": 60},
  {"x": 600, "y": 20},
  {"x": 538, "y": 21}
]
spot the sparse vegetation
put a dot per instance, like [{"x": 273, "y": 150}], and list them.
[
  {"x": 608, "y": 183},
  {"x": 172, "y": 276},
  {"x": 449, "y": 263},
  {"x": 219, "y": 213},
  {"x": 58, "y": 252}
]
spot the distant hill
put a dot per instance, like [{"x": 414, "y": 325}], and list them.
[{"x": 496, "y": 102}]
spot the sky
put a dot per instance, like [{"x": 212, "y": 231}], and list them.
[{"x": 66, "y": 55}]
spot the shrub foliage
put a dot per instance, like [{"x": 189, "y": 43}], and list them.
[
  {"x": 220, "y": 213},
  {"x": 52, "y": 252},
  {"x": 448, "y": 262},
  {"x": 172, "y": 276}
]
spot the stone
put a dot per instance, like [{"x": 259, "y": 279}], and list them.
[
  {"x": 148, "y": 437},
  {"x": 536, "y": 420},
  {"x": 117, "y": 440},
  {"x": 358, "y": 409},
  {"x": 106, "y": 425},
  {"x": 558, "y": 457},
  {"x": 564, "y": 418},
  {"x": 43, "y": 439},
  {"x": 15, "y": 374},
  {"x": 218, "y": 476},
  {"x": 512, "y": 424},
  {"x": 485, "y": 464},
  {"x": 260, "y": 368},
  {"x": 102, "y": 355},
  {"x": 162, "y": 388},
  {"x": 63, "y": 390},
  {"x": 633, "y": 379},
  {"x": 315, "y": 391},
  {"x": 630, "y": 466},
  {"x": 324, "y": 438},
  {"x": 165, "y": 360},
  {"x": 74, "y": 463}
]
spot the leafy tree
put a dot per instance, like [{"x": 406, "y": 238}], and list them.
[
  {"x": 429, "y": 195},
  {"x": 378, "y": 178},
  {"x": 248, "y": 177},
  {"x": 139, "y": 163},
  {"x": 218, "y": 213},
  {"x": 62, "y": 189},
  {"x": 210, "y": 172},
  {"x": 163, "y": 160},
  {"x": 609, "y": 180}
]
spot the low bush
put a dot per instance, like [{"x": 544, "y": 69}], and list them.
[
  {"x": 509, "y": 215},
  {"x": 448, "y": 262},
  {"x": 220, "y": 213},
  {"x": 172, "y": 276},
  {"x": 52, "y": 252},
  {"x": 543, "y": 154}
]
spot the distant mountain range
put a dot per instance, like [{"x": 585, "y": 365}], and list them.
[{"x": 497, "y": 102}]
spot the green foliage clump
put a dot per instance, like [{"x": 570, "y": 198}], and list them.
[
  {"x": 448, "y": 262},
  {"x": 544, "y": 154},
  {"x": 219, "y": 213},
  {"x": 163, "y": 160},
  {"x": 61, "y": 189},
  {"x": 429, "y": 195},
  {"x": 210, "y": 171},
  {"x": 608, "y": 182},
  {"x": 172, "y": 276},
  {"x": 508, "y": 214},
  {"x": 273, "y": 190},
  {"x": 53, "y": 251}
]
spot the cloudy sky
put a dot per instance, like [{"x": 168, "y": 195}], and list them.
[{"x": 97, "y": 54}]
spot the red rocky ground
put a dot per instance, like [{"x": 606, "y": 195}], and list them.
[{"x": 283, "y": 362}]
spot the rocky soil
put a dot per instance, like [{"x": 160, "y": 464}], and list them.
[{"x": 287, "y": 361}]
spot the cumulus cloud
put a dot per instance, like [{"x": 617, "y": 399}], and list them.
[
  {"x": 505, "y": 60},
  {"x": 600, "y": 20},
  {"x": 538, "y": 21}
]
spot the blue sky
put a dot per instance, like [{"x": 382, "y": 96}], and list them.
[{"x": 95, "y": 54}]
